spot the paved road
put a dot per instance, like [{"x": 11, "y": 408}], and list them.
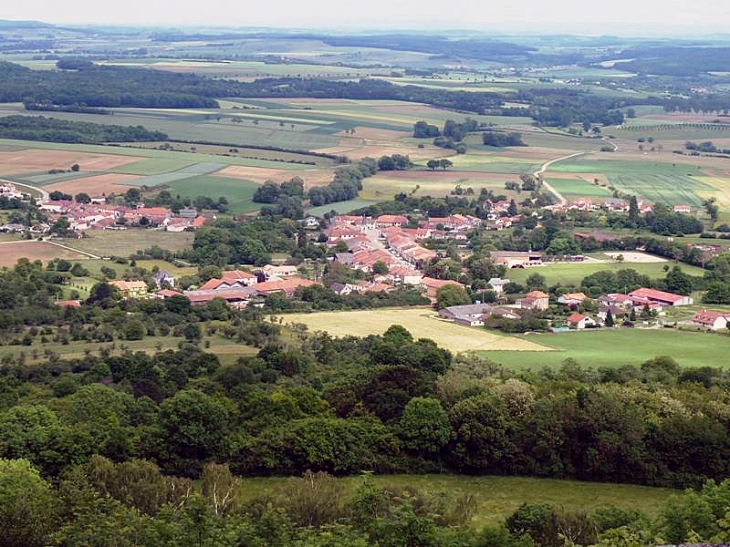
[{"x": 44, "y": 195}]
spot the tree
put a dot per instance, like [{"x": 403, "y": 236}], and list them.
[
  {"x": 75, "y": 168},
  {"x": 424, "y": 426},
  {"x": 711, "y": 208},
  {"x": 62, "y": 227},
  {"x": 445, "y": 164},
  {"x": 27, "y": 505},
  {"x": 512, "y": 209},
  {"x": 536, "y": 282},
  {"x": 432, "y": 164},
  {"x": 633, "y": 211},
  {"x": 678, "y": 282},
  {"x": 82, "y": 197},
  {"x": 134, "y": 330},
  {"x": 451, "y": 295},
  {"x": 380, "y": 268},
  {"x": 609, "y": 319}
]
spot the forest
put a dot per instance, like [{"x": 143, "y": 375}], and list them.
[{"x": 40, "y": 128}]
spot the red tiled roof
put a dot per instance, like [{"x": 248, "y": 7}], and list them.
[
  {"x": 653, "y": 294},
  {"x": 708, "y": 317},
  {"x": 576, "y": 317},
  {"x": 537, "y": 294}
]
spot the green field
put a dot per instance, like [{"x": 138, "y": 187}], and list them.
[
  {"x": 572, "y": 273},
  {"x": 238, "y": 192},
  {"x": 498, "y": 497},
  {"x": 614, "y": 348},
  {"x": 342, "y": 207},
  {"x": 126, "y": 242},
  {"x": 574, "y": 188}
]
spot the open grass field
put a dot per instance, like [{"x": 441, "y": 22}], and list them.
[
  {"x": 577, "y": 187},
  {"x": 572, "y": 273},
  {"x": 12, "y": 251},
  {"x": 311, "y": 176},
  {"x": 666, "y": 189},
  {"x": 420, "y": 322},
  {"x": 342, "y": 207},
  {"x": 227, "y": 350},
  {"x": 618, "y": 347},
  {"x": 108, "y": 183},
  {"x": 238, "y": 192},
  {"x": 126, "y": 242},
  {"x": 498, "y": 497},
  {"x": 384, "y": 186}
]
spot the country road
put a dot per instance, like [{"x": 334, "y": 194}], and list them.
[
  {"x": 68, "y": 248},
  {"x": 538, "y": 174},
  {"x": 44, "y": 195}
]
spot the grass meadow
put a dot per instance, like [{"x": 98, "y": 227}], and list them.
[
  {"x": 572, "y": 273},
  {"x": 126, "y": 242},
  {"x": 238, "y": 192},
  {"x": 498, "y": 497},
  {"x": 618, "y": 347}
]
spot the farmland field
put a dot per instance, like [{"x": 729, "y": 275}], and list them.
[
  {"x": 578, "y": 187},
  {"x": 420, "y": 322},
  {"x": 12, "y": 251},
  {"x": 342, "y": 207},
  {"x": 572, "y": 273},
  {"x": 615, "y": 348},
  {"x": 498, "y": 497},
  {"x": 238, "y": 192},
  {"x": 126, "y": 242}
]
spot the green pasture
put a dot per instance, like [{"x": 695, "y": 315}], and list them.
[
  {"x": 126, "y": 242},
  {"x": 574, "y": 188},
  {"x": 498, "y": 497},
  {"x": 238, "y": 192},
  {"x": 572, "y": 273},
  {"x": 341, "y": 207},
  {"x": 618, "y": 347},
  {"x": 189, "y": 171},
  {"x": 666, "y": 189},
  {"x": 589, "y": 164}
]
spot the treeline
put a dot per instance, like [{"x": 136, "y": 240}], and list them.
[
  {"x": 502, "y": 139},
  {"x": 346, "y": 184},
  {"x": 40, "y": 128}
]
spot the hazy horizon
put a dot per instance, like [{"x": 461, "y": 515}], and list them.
[{"x": 559, "y": 16}]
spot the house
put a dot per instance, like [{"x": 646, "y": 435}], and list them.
[
  {"x": 433, "y": 285},
  {"x": 517, "y": 259},
  {"x": 270, "y": 271},
  {"x": 311, "y": 223},
  {"x": 613, "y": 299},
  {"x": 162, "y": 278},
  {"x": 164, "y": 294},
  {"x": 472, "y": 315},
  {"x": 234, "y": 279},
  {"x": 497, "y": 284},
  {"x": 341, "y": 289},
  {"x": 68, "y": 303},
  {"x": 684, "y": 209},
  {"x": 407, "y": 276},
  {"x": 287, "y": 287},
  {"x": 237, "y": 298},
  {"x": 579, "y": 321},
  {"x": 387, "y": 221},
  {"x": 711, "y": 319},
  {"x": 662, "y": 297},
  {"x": 130, "y": 289},
  {"x": 615, "y": 312},
  {"x": 187, "y": 212},
  {"x": 572, "y": 299},
  {"x": 535, "y": 300},
  {"x": 505, "y": 313}
]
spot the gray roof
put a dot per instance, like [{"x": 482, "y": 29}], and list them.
[{"x": 469, "y": 309}]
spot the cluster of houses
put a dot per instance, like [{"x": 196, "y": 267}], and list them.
[
  {"x": 9, "y": 190},
  {"x": 619, "y": 306},
  {"x": 614, "y": 205},
  {"x": 99, "y": 215}
]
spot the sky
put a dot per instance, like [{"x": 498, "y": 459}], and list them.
[{"x": 584, "y": 16}]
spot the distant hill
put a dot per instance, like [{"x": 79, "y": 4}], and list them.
[{"x": 7, "y": 24}]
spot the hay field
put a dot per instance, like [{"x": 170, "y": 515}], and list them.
[
  {"x": 11, "y": 252},
  {"x": 433, "y": 183},
  {"x": 109, "y": 183},
  {"x": 33, "y": 159},
  {"x": 420, "y": 322},
  {"x": 259, "y": 175}
]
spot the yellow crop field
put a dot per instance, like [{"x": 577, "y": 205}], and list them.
[{"x": 420, "y": 322}]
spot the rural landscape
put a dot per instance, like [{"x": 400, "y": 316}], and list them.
[{"x": 278, "y": 287}]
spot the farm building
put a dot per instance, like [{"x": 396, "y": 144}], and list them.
[
  {"x": 472, "y": 315},
  {"x": 580, "y": 321},
  {"x": 661, "y": 297},
  {"x": 235, "y": 279},
  {"x": 271, "y": 272},
  {"x": 286, "y": 287},
  {"x": 614, "y": 299},
  {"x": 433, "y": 285},
  {"x": 517, "y": 259},
  {"x": 130, "y": 289},
  {"x": 236, "y": 298},
  {"x": 162, "y": 277},
  {"x": 388, "y": 221},
  {"x": 711, "y": 319}
]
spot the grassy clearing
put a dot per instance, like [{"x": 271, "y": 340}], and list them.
[
  {"x": 420, "y": 322},
  {"x": 572, "y": 273},
  {"x": 498, "y": 497},
  {"x": 238, "y": 192},
  {"x": 615, "y": 348},
  {"x": 342, "y": 207},
  {"x": 227, "y": 350},
  {"x": 126, "y": 242}
]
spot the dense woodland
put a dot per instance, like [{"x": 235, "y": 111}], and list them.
[{"x": 40, "y": 128}]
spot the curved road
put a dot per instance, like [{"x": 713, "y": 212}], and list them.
[
  {"x": 44, "y": 195},
  {"x": 538, "y": 174}
]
